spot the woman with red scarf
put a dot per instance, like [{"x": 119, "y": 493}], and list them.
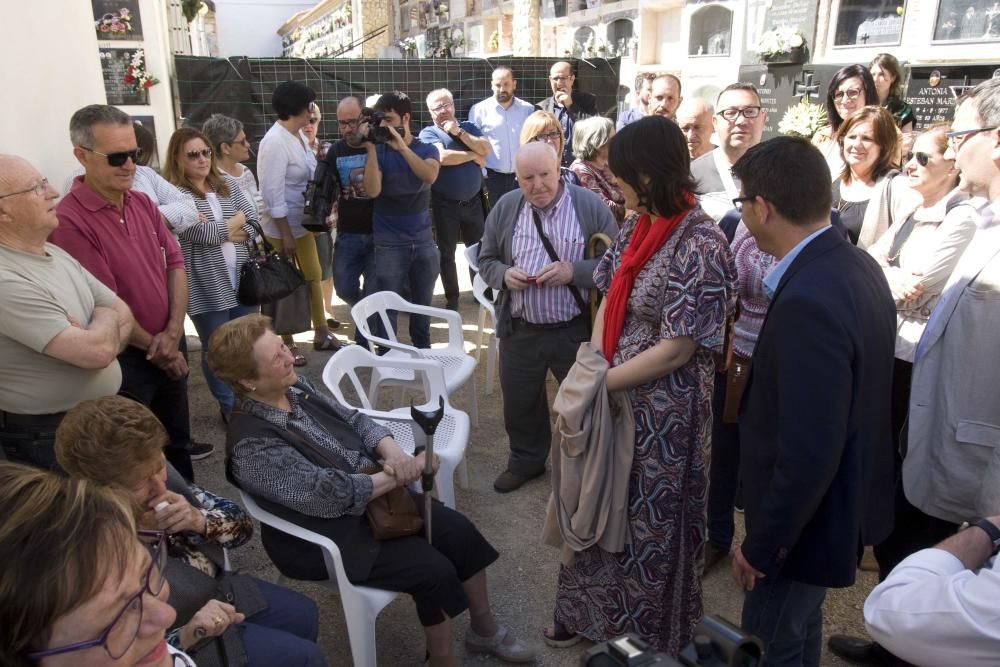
[{"x": 671, "y": 287}]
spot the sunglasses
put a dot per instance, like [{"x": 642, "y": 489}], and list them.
[
  {"x": 204, "y": 152},
  {"x": 120, "y": 158},
  {"x": 313, "y": 120},
  {"x": 850, "y": 93},
  {"x": 922, "y": 158}
]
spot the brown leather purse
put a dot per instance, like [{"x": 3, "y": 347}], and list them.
[{"x": 393, "y": 514}]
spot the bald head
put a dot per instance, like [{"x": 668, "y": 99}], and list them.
[
  {"x": 27, "y": 206},
  {"x": 537, "y": 167},
  {"x": 694, "y": 117},
  {"x": 10, "y": 167},
  {"x": 348, "y": 115}
]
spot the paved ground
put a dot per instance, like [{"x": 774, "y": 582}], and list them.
[{"x": 522, "y": 582}]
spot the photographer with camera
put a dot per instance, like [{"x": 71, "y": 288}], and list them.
[
  {"x": 398, "y": 175},
  {"x": 354, "y": 250}
]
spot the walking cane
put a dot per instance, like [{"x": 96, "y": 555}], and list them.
[{"x": 428, "y": 421}]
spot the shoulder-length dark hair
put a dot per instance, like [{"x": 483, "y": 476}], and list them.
[
  {"x": 886, "y": 136},
  {"x": 651, "y": 155},
  {"x": 888, "y": 62},
  {"x": 842, "y": 75},
  {"x": 173, "y": 171}
]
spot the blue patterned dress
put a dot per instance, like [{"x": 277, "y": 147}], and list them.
[{"x": 652, "y": 588}]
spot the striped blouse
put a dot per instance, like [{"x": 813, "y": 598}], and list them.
[{"x": 209, "y": 286}]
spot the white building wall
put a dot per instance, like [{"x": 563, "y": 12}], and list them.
[
  {"x": 250, "y": 27},
  {"x": 52, "y": 68}
]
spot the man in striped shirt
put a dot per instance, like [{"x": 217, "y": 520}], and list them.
[{"x": 542, "y": 313}]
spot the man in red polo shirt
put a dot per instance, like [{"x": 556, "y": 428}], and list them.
[{"x": 119, "y": 236}]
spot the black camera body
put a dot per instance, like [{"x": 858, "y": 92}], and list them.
[
  {"x": 716, "y": 643},
  {"x": 318, "y": 200},
  {"x": 376, "y": 133}
]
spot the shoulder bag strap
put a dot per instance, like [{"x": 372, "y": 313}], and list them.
[{"x": 580, "y": 303}]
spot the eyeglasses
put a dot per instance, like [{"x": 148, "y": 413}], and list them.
[
  {"x": 922, "y": 158},
  {"x": 120, "y": 158},
  {"x": 441, "y": 107},
  {"x": 352, "y": 122},
  {"x": 204, "y": 152},
  {"x": 119, "y": 636},
  {"x": 738, "y": 201},
  {"x": 242, "y": 142},
  {"x": 958, "y": 137},
  {"x": 733, "y": 114},
  {"x": 850, "y": 93},
  {"x": 547, "y": 137},
  {"x": 39, "y": 188},
  {"x": 559, "y": 79},
  {"x": 314, "y": 120}
]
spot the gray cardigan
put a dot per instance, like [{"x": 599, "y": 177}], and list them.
[{"x": 495, "y": 253}]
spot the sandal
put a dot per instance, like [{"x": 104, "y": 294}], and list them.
[
  {"x": 298, "y": 359},
  {"x": 332, "y": 323},
  {"x": 327, "y": 343},
  {"x": 514, "y": 651},
  {"x": 559, "y": 637}
]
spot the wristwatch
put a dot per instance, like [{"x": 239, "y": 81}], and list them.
[{"x": 987, "y": 527}]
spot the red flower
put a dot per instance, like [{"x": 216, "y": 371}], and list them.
[
  {"x": 148, "y": 84},
  {"x": 103, "y": 28},
  {"x": 128, "y": 78}
]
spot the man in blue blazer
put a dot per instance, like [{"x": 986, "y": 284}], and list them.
[{"x": 815, "y": 445}]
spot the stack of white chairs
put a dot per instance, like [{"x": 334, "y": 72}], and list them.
[
  {"x": 487, "y": 308},
  {"x": 458, "y": 367}
]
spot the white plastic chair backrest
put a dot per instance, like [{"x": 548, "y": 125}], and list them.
[
  {"x": 347, "y": 362},
  {"x": 379, "y": 304},
  {"x": 472, "y": 256},
  {"x": 331, "y": 552},
  {"x": 479, "y": 288}
]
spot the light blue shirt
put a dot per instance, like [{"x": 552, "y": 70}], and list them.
[
  {"x": 772, "y": 279},
  {"x": 503, "y": 128}
]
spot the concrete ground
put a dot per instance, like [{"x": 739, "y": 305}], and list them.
[{"x": 522, "y": 581}]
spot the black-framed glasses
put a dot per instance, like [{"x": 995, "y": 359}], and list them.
[
  {"x": 738, "y": 201},
  {"x": 958, "y": 137},
  {"x": 559, "y": 79},
  {"x": 119, "y": 636},
  {"x": 733, "y": 113},
  {"x": 547, "y": 137},
  {"x": 850, "y": 93},
  {"x": 350, "y": 122},
  {"x": 443, "y": 106},
  {"x": 119, "y": 158},
  {"x": 922, "y": 158},
  {"x": 204, "y": 152},
  {"x": 39, "y": 188}
]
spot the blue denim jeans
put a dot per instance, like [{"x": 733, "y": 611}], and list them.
[
  {"x": 787, "y": 615},
  {"x": 354, "y": 259},
  {"x": 205, "y": 324},
  {"x": 284, "y": 633},
  {"x": 416, "y": 266}
]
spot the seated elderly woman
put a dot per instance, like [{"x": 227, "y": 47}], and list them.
[
  {"x": 591, "y": 138},
  {"x": 269, "y": 624},
  {"x": 79, "y": 584},
  {"x": 544, "y": 126},
  {"x": 315, "y": 462}
]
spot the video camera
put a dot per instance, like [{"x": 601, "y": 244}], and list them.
[
  {"x": 716, "y": 643},
  {"x": 318, "y": 200},
  {"x": 376, "y": 133}
]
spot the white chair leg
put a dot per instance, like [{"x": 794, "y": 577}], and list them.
[
  {"x": 361, "y": 631},
  {"x": 482, "y": 327},
  {"x": 463, "y": 474},
  {"x": 491, "y": 363},
  {"x": 473, "y": 401}
]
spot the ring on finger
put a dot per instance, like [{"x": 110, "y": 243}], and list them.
[{"x": 217, "y": 620}]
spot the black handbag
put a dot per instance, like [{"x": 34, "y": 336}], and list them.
[
  {"x": 290, "y": 314},
  {"x": 267, "y": 276}
]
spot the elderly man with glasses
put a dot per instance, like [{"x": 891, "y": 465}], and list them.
[
  {"x": 456, "y": 205},
  {"x": 119, "y": 236},
  {"x": 62, "y": 328},
  {"x": 566, "y": 105}
]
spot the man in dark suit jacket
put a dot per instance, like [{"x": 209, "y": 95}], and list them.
[
  {"x": 815, "y": 439},
  {"x": 566, "y": 105}
]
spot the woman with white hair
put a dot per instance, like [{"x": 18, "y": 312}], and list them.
[{"x": 591, "y": 138}]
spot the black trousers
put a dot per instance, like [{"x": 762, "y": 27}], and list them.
[
  {"x": 498, "y": 184},
  {"x": 453, "y": 220},
  {"x": 526, "y": 357},
  {"x": 433, "y": 573},
  {"x": 724, "y": 473},
  {"x": 143, "y": 381},
  {"x": 30, "y": 439}
]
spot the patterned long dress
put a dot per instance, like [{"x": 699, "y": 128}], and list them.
[{"x": 652, "y": 588}]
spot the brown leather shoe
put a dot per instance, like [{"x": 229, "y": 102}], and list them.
[{"x": 509, "y": 481}]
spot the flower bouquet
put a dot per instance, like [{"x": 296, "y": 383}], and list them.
[
  {"x": 136, "y": 76},
  {"x": 114, "y": 24},
  {"x": 803, "y": 119},
  {"x": 408, "y": 46},
  {"x": 781, "y": 45}
]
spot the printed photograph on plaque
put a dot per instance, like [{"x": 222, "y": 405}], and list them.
[
  {"x": 114, "y": 67},
  {"x": 968, "y": 21},
  {"x": 869, "y": 22},
  {"x": 117, "y": 20}
]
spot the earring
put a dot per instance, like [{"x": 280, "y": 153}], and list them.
[{"x": 253, "y": 388}]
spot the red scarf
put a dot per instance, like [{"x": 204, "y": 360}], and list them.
[{"x": 647, "y": 237}]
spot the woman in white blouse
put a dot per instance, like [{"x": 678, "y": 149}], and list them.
[
  {"x": 285, "y": 164},
  {"x": 215, "y": 249}
]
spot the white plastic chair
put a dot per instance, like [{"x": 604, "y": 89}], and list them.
[
  {"x": 452, "y": 435},
  {"x": 472, "y": 256},
  {"x": 486, "y": 307},
  {"x": 459, "y": 368},
  {"x": 361, "y": 604}
]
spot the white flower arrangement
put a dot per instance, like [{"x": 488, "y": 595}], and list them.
[
  {"x": 803, "y": 119},
  {"x": 136, "y": 76},
  {"x": 407, "y": 46},
  {"x": 779, "y": 41}
]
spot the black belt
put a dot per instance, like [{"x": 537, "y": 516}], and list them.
[
  {"x": 474, "y": 199},
  {"x": 39, "y": 421},
  {"x": 494, "y": 172},
  {"x": 519, "y": 322}
]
